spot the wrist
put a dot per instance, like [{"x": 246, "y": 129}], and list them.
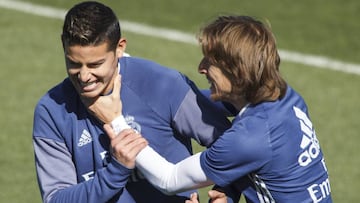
[{"x": 119, "y": 124}]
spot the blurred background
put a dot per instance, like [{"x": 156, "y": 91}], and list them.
[{"x": 316, "y": 32}]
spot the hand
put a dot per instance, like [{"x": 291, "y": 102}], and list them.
[
  {"x": 107, "y": 108},
  {"x": 217, "y": 196},
  {"x": 125, "y": 146},
  {"x": 214, "y": 195},
  {"x": 193, "y": 198}
]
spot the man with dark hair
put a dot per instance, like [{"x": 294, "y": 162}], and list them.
[{"x": 76, "y": 161}]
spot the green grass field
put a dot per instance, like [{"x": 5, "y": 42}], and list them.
[{"x": 32, "y": 62}]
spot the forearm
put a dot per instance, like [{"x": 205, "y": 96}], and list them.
[
  {"x": 57, "y": 176},
  {"x": 168, "y": 177},
  {"x": 105, "y": 185}
]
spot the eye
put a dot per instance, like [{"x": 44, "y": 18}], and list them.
[
  {"x": 94, "y": 65},
  {"x": 72, "y": 64}
]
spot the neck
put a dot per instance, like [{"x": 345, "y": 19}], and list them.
[{"x": 238, "y": 102}]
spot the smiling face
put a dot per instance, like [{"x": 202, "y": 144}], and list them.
[{"x": 91, "y": 69}]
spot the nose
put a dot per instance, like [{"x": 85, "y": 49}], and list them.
[
  {"x": 203, "y": 66},
  {"x": 84, "y": 74}
]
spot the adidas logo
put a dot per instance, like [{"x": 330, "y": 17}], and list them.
[
  {"x": 85, "y": 138},
  {"x": 309, "y": 142}
]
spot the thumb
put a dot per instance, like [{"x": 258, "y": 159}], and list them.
[
  {"x": 109, "y": 131},
  {"x": 193, "y": 198},
  {"x": 117, "y": 85},
  {"x": 214, "y": 194}
]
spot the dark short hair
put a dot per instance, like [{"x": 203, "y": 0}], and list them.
[
  {"x": 245, "y": 51},
  {"x": 91, "y": 23}
]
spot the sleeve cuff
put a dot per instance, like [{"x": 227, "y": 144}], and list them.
[{"x": 119, "y": 124}]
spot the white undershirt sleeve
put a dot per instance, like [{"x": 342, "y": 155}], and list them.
[{"x": 168, "y": 177}]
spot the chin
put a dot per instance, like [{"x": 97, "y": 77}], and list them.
[
  {"x": 215, "y": 97},
  {"x": 89, "y": 95}
]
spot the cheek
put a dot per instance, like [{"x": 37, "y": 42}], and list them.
[
  {"x": 72, "y": 73},
  {"x": 107, "y": 75},
  {"x": 227, "y": 85},
  {"x": 223, "y": 85}
]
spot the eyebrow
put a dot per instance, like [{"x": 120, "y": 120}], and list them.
[
  {"x": 98, "y": 61},
  {"x": 102, "y": 60}
]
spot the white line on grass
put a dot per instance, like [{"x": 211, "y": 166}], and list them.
[{"x": 174, "y": 35}]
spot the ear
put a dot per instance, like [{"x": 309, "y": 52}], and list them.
[{"x": 121, "y": 47}]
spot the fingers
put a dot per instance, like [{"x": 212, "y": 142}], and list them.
[
  {"x": 109, "y": 106},
  {"x": 193, "y": 198},
  {"x": 126, "y": 145},
  {"x": 109, "y": 131},
  {"x": 129, "y": 146},
  {"x": 127, "y": 140},
  {"x": 217, "y": 196}
]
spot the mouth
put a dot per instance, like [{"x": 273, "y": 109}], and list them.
[
  {"x": 211, "y": 83},
  {"x": 87, "y": 86}
]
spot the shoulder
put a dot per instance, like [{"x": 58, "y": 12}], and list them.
[
  {"x": 240, "y": 150},
  {"x": 251, "y": 130},
  {"x": 146, "y": 78},
  {"x": 292, "y": 97},
  {"x": 59, "y": 101},
  {"x": 59, "y": 94},
  {"x": 138, "y": 68},
  {"x": 248, "y": 136}
]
